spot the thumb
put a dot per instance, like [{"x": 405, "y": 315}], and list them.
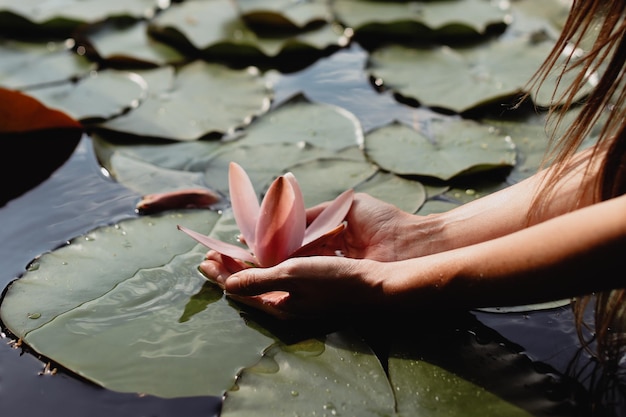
[{"x": 251, "y": 281}]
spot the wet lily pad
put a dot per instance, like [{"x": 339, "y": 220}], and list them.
[
  {"x": 216, "y": 30},
  {"x": 296, "y": 132},
  {"x": 66, "y": 81},
  {"x": 283, "y": 15},
  {"x": 340, "y": 374},
  {"x": 447, "y": 149},
  {"x": 125, "y": 44},
  {"x": 420, "y": 21},
  {"x": 196, "y": 101},
  {"x": 61, "y": 18},
  {"x": 462, "y": 79},
  {"x": 408, "y": 195},
  {"x": 125, "y": 307},
  {"x": 28, "y": 65},
  {"x": 347, "y": 376},
  {"x": 99, "y": 96}
]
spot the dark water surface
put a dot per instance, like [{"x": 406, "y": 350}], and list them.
[{"x": 79, "y": 197}]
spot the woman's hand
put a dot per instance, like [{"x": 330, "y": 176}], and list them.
[
  {"x": 310, "y": 287},
  {"x": 303, "y": 287},
  {"x": 375, "y": 230}
]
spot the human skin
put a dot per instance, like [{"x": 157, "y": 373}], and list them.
[{"x": 483, "y": 253}]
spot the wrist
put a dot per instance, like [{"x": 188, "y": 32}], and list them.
[{"x": 423, "y": 235}]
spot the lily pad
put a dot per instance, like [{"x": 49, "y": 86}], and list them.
[
  {"x": 126, "y": 44},
  {"x": 448, "y": 149},
  {"x": 198, "y": 100},
  {"x": 293, "y": 133},
  {"x": 146, "y": 178},
  {"x": 66, "y": 81},
  {"x": 99, "y": 96},
  {"x": 463, "y": 79},
  {"x": 408, "y": 195},
  {"x": 419, "y": 21},
  {"x": 125, "y": 307},
  {"x": 324, "y": 179},
  {"x": 29, "y": 65},
  {"x": 540, "y": 17},
  {"x": 61, "y": 18},
  {"x": 283, "y": 15},
  {"x": 215, "y": 30},
  {"x": 336, "y": 375},
  {"x": 340, "y": 374}
]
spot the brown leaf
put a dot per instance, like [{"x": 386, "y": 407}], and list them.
[{"x": 20, "y": 113}]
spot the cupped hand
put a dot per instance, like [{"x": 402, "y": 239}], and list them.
[
  {"x": 217, "y": 268},
  {"x": 329, "y": 278},
  {"x": 310, "y": 287},
  {"x": 305, "y": 287},
  {"x": 374, "y": 231}
]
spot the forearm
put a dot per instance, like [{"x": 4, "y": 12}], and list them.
[
  {"x": 503, "y": 212},
  {"x": 570, "y": 255}
]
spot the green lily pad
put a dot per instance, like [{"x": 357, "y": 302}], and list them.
[
  {"x": 198, "y": 100},
  {"x": 418, "y": 21},
  {"x": 61, "y": 18},
  {"x": 128, "y": 44},
  {"x": 99, "y": 96},
  {"x": 408, "y": 195},
  {"x": 339, "y": 374},
  {"x": 216, "y": 30},
  {"x": 295, "y": 132},
  {"x": 146, "y": 178},
  {"x": 447, "y": 149},
  {"x": 324, "y": 179},
  {"x": 283, "y": 15},
  {"x": 545, "y": 17},
  {"x": 424, "y": 388},
  {"x": 64, "y": 80},
  {"x": 28, "y": 65},
  {"x": 463, "y": 79},
  {"x": 125, "y": 307}
]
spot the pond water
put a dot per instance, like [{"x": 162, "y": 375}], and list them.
[{"x": 79, "y": 196}]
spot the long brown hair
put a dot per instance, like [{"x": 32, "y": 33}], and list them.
[{"x": 593, "y": 40}]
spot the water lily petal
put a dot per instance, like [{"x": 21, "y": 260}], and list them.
[
  {"x": 311, "y": 248},
  {"x": 280, "y": 227},
  {"x": 222, "y": 247},
  {"x": 298, "y": 228},
  {"x": 244, "y": 202},
  {"x": 185, "y": 198},
  {"x": 328, "y": 219}
]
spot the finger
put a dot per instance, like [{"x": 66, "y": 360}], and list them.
[
  {"x": 214, "y": 271},
  {"x": 232, "y": 265},
  {"x": 268, "y": 303},
  {"x": 252, "y": 281}
]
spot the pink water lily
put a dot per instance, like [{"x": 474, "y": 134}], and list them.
[{"x": 276, "y": 229}]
